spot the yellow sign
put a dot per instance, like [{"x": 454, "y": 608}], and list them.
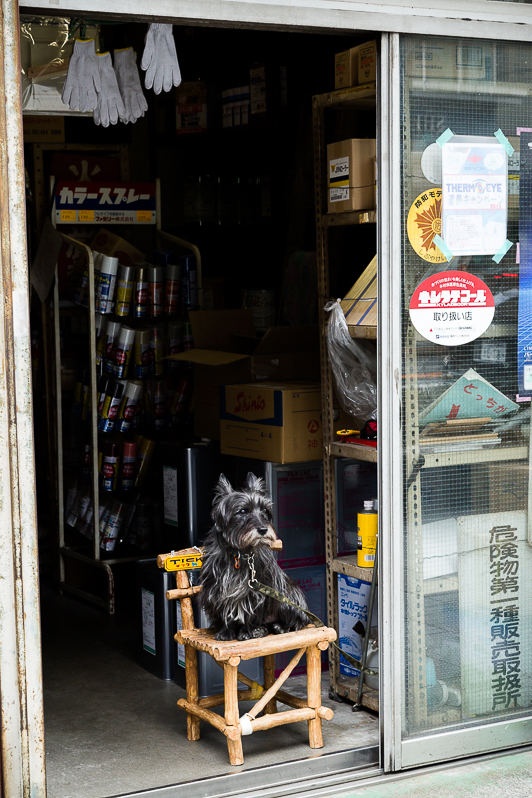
[
  {"x": 423, "y": 223},
  {"x": 183, "y": 562}
]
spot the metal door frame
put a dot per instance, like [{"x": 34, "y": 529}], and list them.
[{"x": 21, "y": 708}]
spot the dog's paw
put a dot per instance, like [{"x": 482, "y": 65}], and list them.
[
  {"x": 276, "y": 629},
  {"x": 252, "y": 634},
  {"x": 224, "y": 634}
]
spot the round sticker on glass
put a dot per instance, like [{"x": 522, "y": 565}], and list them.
[{"x": 452, "y": 308}]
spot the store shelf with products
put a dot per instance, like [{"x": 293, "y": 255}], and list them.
[
  {"x": 117, "y": 312},
  {"x": 339, "y": 116}
]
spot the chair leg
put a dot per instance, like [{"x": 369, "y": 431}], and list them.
[
  {"x": 315, "y": 736},
  {"x": 192, "y": 687},
  {"x": 231, "y": 713},
  {"x": 269, "y": 678}
]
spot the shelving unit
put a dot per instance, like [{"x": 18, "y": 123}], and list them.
[
  {"x": 325, "y": 108},
  {"x": 84, "y": 570}
]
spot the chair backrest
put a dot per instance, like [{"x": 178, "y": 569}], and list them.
[{"x": 182, "y": 563}]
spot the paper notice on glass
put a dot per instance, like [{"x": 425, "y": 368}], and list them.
[
  {"x": 471, "y": 396},
  {"x": 474, "y": 195}
]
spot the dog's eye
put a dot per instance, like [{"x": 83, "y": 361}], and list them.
[{"x": 242, "y": 511}]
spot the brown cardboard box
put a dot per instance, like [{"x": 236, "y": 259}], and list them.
[
  {"x": 278, "y": 422},
  {"x": 360, "y": 302},
  {"x": 450, "y": 60},
  {"x": 356, "y": 66},
  {"x": 227, "y": 351},
  {"x": 351, "y": 175},
  {"x": 367, "y": 62},
  {"x": 345, "y": 68}
]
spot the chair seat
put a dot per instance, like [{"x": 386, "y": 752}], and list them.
[{"x": 224, "y": 650}]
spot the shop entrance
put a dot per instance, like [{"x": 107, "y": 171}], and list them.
[
  {"x": 422, "y": 679},
  {"x": 234, "y": 170}
]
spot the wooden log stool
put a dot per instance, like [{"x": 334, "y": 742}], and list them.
[{"x": 310, "y": 641}]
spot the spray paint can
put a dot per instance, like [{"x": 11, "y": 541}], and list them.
[
  {"x": 110, "y": 466},
  {"x": 367, "y": 526},
  {"x": 110, "y": 337},
  {"x": 173, "y": 289},
  {"x": 155, "y": 291},
  {"x": 110, "y": 405},
  {"x": 140, "y": 307},
  {"x": 129, "y": 467},
  {"x": 124, "y": 290},
  {"x": 129, "y": 406},
  {"x": 142, "y": 366},
  {"x": 172, "y": 285},
  {"x": 157, "y": 347},
  {"x": 106, "y": 284},
  {"x": 124, "y": 347}
]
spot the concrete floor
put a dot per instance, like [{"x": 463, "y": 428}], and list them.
[{"x": 112, "y": 727}]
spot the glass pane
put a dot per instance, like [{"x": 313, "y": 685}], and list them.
[{"x": 467, "y": 312}]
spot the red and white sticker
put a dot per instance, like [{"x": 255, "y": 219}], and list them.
[{"x": 452, "y": 308}]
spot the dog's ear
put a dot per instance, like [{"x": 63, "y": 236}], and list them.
[
  {"x": 254, "y": 483},
  {"x": 223, "y": 487}
]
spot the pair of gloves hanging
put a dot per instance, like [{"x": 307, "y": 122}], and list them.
[{"x": 116, "y": 94}]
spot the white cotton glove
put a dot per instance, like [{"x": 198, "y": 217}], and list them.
[
  {"x": 159, "y": 59},
  {"x": 127, "y": 75},
  {"x": 110, "y": 104},
  {"x": 82, "y": 84}
]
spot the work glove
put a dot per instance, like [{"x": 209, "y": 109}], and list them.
[
  {"x": 82, "y": 84},
  {"x": 159, "y": 59},
  {"x": 127, "y": 75},
  {"x": 110, "y": 104}
]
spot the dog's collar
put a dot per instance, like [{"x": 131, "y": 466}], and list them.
[{"x": 237, "y": 556}]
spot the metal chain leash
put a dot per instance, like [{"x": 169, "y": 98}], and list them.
[{"x": 275, "y": 594}]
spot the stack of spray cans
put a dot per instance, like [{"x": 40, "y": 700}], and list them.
[{"x": 140, "y": 313}]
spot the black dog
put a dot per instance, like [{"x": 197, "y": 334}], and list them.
[{"x": 237, "y": 550}]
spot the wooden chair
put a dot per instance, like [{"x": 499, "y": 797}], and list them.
[{"x": 310, "y": 641}]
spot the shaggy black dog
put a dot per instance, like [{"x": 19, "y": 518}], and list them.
[{"x": 238, "y": 550}]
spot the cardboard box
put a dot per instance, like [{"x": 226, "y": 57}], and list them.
[
  {"x": 360, "y": 302},
  {"x": 226, "y": 351},
  {"x": 351, "y": 175},
  {"x": 367, "y": 63},
  {"x": 280, "y": 422},
  {"x": 356, "y": 66},
  {"x": 345, "y": 68},
  {"x": 451, "y": 60}
]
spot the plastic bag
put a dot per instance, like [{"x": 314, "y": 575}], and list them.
[{"x": 354, "y": 366}]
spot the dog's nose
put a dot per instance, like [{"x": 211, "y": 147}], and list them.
[{"x": 262, "y": 530}]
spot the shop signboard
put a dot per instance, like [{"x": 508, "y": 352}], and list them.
[{"x": 104, "y": 203}]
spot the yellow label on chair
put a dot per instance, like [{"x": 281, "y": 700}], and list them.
[{"x": 183, "y": 562}]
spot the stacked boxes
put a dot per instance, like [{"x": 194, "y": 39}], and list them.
[
  {"x": 356, "y": 66},
  {"x": 280, "y": 422},
  {"x": 351, "y": 175}
]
